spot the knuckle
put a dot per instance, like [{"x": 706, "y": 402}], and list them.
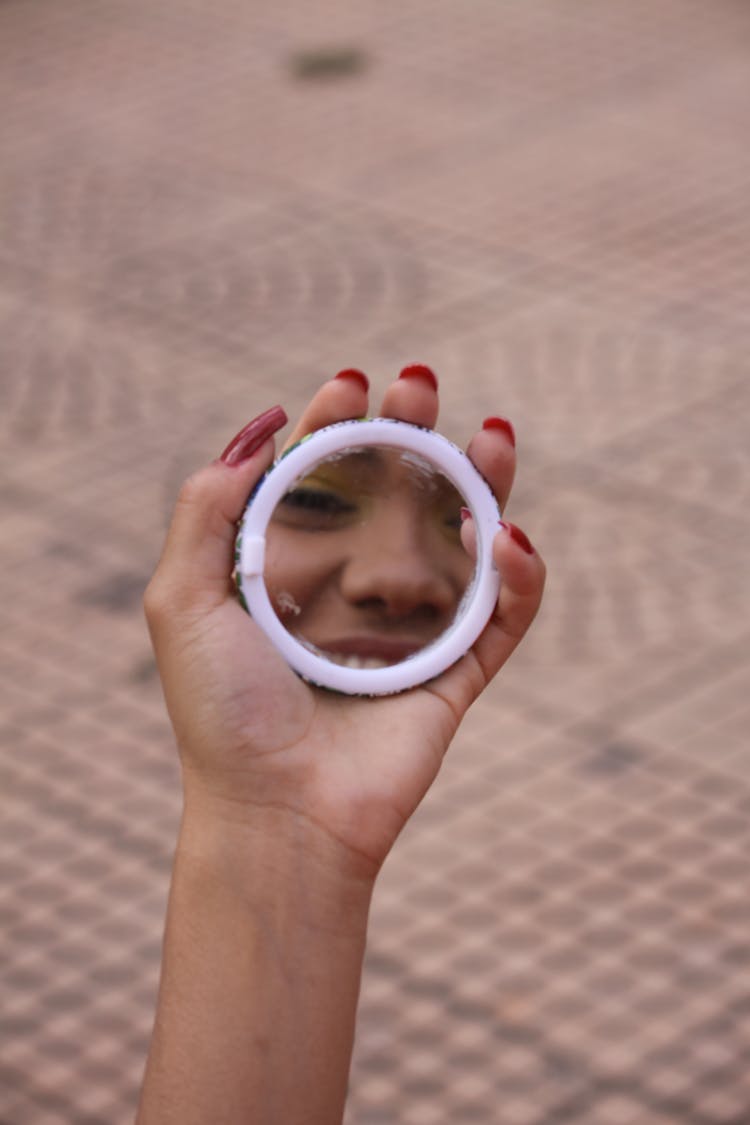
[
  {"x": 193, "y": 490},
  {"x": 165, "y": 602},
  {"x": 156, "y": 600}
]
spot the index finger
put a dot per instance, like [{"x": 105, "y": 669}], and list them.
[{"x": 340, "y": 399}]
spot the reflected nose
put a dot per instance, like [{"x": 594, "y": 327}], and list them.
[{"x": 395, "y": 568}]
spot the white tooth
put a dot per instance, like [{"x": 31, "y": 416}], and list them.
[{"x": 353, "y": 661}]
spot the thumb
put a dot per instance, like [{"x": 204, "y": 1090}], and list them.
[{"x": 195, "y": 567}]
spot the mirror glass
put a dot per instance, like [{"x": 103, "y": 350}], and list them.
[{"x": 364, "y": 562}]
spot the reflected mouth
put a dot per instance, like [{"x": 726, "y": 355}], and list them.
[{"x": 368, "y": 652}]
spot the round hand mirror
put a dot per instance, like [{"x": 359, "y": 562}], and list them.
[{"x": 349, "y": 556}]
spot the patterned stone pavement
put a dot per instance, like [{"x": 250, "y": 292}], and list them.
[{"x": 205, "y": 209}]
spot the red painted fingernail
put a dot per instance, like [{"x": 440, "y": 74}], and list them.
[
  {"x": 465, "y": 514},
  {"x": 501, "y": 424},
  {"x": 353, "y": 373},
  {"x": 419, "y": 370},
  {"x": 253, "y": 436},
  {"x": 518, "y": 537}
]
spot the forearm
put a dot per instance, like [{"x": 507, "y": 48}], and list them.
[{"x": 261, "y": 969}]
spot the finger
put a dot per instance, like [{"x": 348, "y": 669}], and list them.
[
  {"x": 493, "y": 452},
  {"x": 413, "y": 397},
  {"x": 197, "y": 561},
  {"x": 338, "y": 400},
  {"x": 468, "y": 534},
  {"x": 522, "y": 574}
]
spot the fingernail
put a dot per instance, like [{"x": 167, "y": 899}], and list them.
[
  {"x": 253, "y": 436},
  {"x": 465, "y": 514},
  {"x": 358, "y": 376},
  {"x": 518, "y": 537},
  {"x": 419, "y": 370},
  {"x": 501, "y": 424}
]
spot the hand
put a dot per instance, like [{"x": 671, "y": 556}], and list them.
[
  {"x": 252, "y": 736},
  {"x": 293, "y": 797}
]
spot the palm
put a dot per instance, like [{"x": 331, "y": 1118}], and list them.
[{"x": 268, "y": 722}]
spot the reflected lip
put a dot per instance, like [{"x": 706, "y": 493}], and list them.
[{"x": 386, "y": 649}]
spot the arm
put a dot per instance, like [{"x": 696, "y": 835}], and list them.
[
  {"x": 262, "y": 961},
  {"x": 293, "y": 798}
]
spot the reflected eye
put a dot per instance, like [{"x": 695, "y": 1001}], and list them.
[
  {"x": 452, "y": 524},
  {"x": 315, "y": 509},
  {"x": 316, "y": 500}
]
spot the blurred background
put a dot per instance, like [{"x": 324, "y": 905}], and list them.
[{"x": 208, "y": 209}]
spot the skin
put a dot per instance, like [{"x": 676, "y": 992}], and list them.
[
  {"x": 364, "y": 556},
  {"x": 293, "y": 798}
]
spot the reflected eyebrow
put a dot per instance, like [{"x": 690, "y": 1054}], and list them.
[
  {"x": 368, "y": 455},
  {"x": 349, "y": 469},
  {"x": 363, "y": 468}
]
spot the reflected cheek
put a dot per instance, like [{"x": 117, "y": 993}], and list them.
[
  {"x": 462, "y": 571},
  {"x": 300, "y": 571},
  {"x": 449, "y": 558}
]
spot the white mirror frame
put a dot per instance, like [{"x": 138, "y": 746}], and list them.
[{"x": 295, "y": 463}]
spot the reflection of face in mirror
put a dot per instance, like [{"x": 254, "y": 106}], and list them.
[{"x": 364, "y": 559}]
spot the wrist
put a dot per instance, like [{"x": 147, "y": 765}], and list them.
[{"x": 278, "y": 861}]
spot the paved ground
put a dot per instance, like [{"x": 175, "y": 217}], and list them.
[{"x": 206, "y": 209}]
